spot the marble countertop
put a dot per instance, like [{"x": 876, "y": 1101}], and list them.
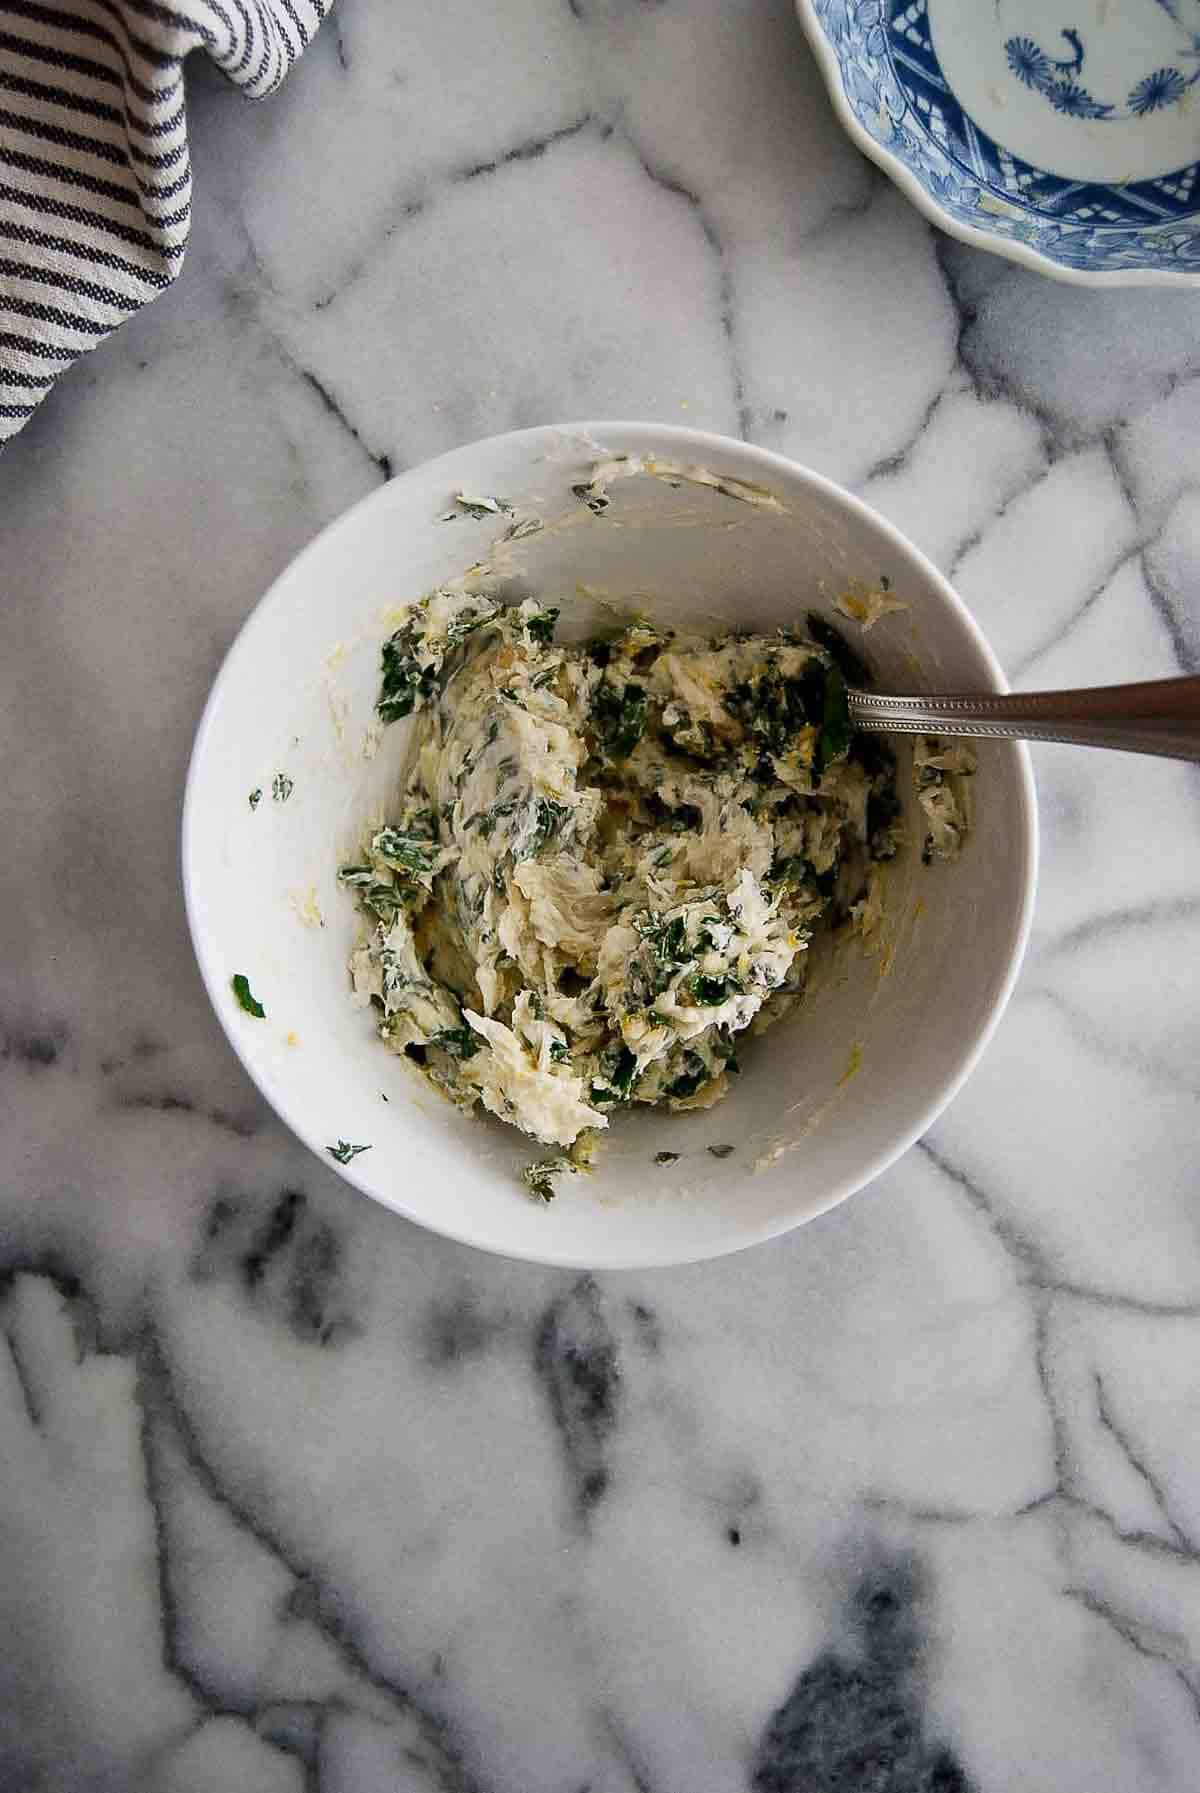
[{"x": 295, "y": 1497}]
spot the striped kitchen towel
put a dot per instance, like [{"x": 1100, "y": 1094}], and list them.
[{"x": 95, "y": 181}]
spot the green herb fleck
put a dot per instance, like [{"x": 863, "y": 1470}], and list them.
[
  {"x": 343, "y": 1151},
  {"x": 246, "y": 999},
  {"x": 558, "y": 1052},
  {"x": 670, "y": 943},
  {"x": 721, "y": 1151},
  {"x": 459, "y": 1042},
  {"x": 849, "y": 663},
  {"x": 597, "y": 502},
  {"x": 255, "y": 798},
  {"x": 835, "y": 734},
  {"x": 709, "y": 991},
  {"x": 619, "y": 714},
  {"x": 406, "y": 682},
  {"x": 413, "y": 854},
  {"x": 282, "y": 787},
  {"x": 384, "y": 901},
  {"x": 540, "y": 626},
  {"x": 776, "y": 709},
  {"x": 485, "y": 819},
  {"x": 695, "y": 1072},
  {"x": 549, "y": 819},
  {"x": 618, "y": 1069},
  {"x": 651, "y": 972},
  {"x": 688, "y": 734},
  {"x": 666, "y": 1157},
  {"x": 705, "y": 939},
  {"x": 539, "y": 1178}
]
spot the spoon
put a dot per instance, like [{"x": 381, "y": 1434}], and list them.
[{"x": 1160, "y": 717}]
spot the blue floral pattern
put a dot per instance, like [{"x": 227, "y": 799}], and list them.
[
  {"x": 895, "y": 88},
  {"x": 1054, "y": 79},
  {"x": 1165, "y": 87}
]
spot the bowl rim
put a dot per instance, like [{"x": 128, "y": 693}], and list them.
[
  {"x": 637, "y": 437},
  {"x": 973, "y": 235}
]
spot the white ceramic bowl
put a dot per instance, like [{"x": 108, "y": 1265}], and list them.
[{"x": 295, "y": 696}]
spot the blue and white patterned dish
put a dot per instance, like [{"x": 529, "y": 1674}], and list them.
[{"x": 1064, "y": 134}]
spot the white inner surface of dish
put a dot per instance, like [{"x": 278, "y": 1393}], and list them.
[{"x": 1085, "y": 90}]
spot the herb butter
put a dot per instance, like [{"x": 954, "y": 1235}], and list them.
[{"x": 607, "y": 860}]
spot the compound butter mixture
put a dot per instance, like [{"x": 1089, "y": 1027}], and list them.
[{"x": 608, "y": 860}]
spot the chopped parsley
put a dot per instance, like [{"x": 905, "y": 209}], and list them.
[
  {"x": 413, "y": 854},
  {"x": 619, "y": 1068},
  {"x": 669, "y": 940},
  {"x": 666, "y": 1157},
  {"x": 780, "y": 710},
  {"x": 694, "y": 1073},
  {"x": 711, "y": 991},
  {"x": 721, "y": 1151},
  {"x": 849, "y": 663},
  {"x": 539, "y": 1178},
  {"x": 281, "y": 788},
  {"x": 459, "y": 1042},
  {"x": 619, "y": 717},
  {"x": 665, "y": 951},
  {"x": 834, "y": 737},
  {"x": 405, "y": 682},
  {"x": 540, "y": 626},
  {"x": 255, "y": 798},
  {"x": 384, "y": 901},
  {"x": 343, "y": 1151},
  {"x": 246, "y": 998},
  {"x": 485, "y": 819},
  {"x": 412, "y": 668},
  {"x": 549, "y": 818},
  {"x": 597, "y": 502}
]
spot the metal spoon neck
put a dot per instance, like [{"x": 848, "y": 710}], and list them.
[{"x": 1160, "y": 716}]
